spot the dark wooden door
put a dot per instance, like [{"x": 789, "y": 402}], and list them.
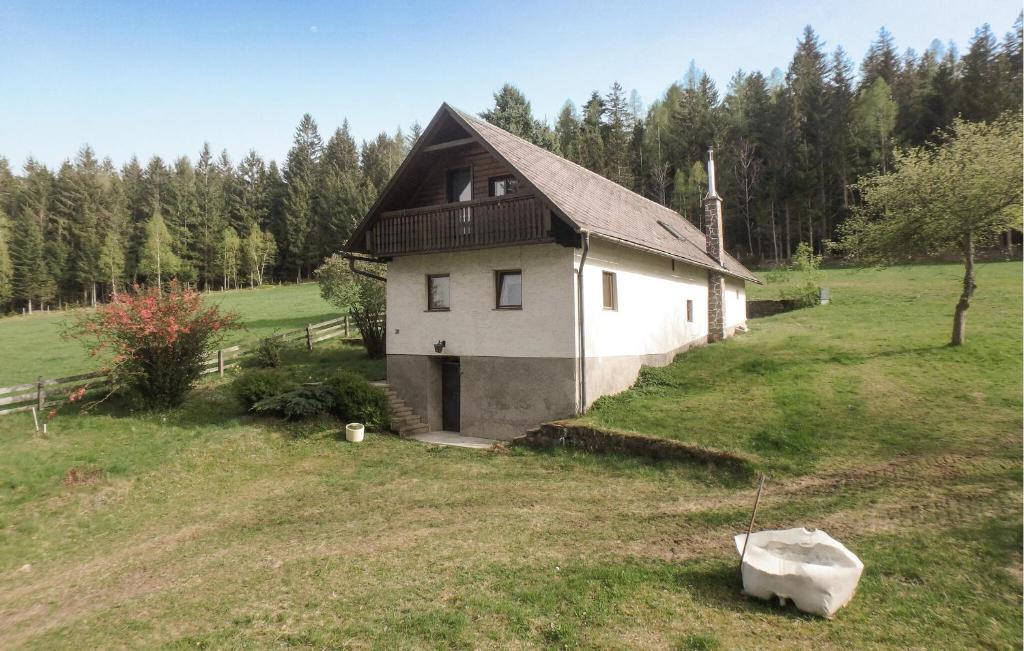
[{"x": 450, "y": 420}]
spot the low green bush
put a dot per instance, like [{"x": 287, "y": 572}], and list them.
[
  {"x": 344, "y": 395},
  {"x": 268, "y": 352},
  {"x": 257, "y": 385},
  {"x": 300, "y": 403},
  {"x": 356, "y": 400}
]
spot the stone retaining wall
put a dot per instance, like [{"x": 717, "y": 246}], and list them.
[
  {"x": 759, "y": 309},
  {"x": 593, "y": 439}
]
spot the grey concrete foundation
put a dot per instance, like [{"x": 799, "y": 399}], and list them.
[{"x": 501, "y": 397}]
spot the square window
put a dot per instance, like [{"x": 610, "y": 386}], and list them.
[
  {"x": 508, "y": 290},
  {"x": 689, "y": 311},
  {"x": 611, "y": 292},
  {"x": 439, "y": 293},
  {"x": 499, "y": 186}
]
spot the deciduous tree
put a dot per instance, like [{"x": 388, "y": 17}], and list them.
[{"x": 951, "y": 196}]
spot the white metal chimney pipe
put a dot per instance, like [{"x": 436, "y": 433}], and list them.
[{"x": 712, "y": 192}]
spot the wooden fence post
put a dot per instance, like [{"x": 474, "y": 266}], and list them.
[
  {"x": 309, "y": 336},
  {"x": 220, "y": 361},
  {"x": 40, "y": 394}
]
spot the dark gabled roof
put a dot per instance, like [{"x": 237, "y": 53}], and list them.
[{"x": 586, "y": 200}]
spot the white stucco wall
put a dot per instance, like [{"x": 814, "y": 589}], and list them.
[
  {"x": 735, "y": 303},
  {"x": 543, "y": 328},
  {"x": 651, "y": 315}
]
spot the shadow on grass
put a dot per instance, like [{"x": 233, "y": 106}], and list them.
[
  {"x": 284, "y": 324},
  {"x": 717, "y": 582}
]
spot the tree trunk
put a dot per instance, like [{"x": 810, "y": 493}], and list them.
[
  {"x": 960, "y": 316},
  {"x": 775, "y": 235},
  {"x": 789, "y": 239}
]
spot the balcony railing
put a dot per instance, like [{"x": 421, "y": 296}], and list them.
[{"x": 517, "y": 219}]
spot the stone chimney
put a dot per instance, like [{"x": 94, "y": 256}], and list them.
[
  {"x": 713, "y": 214},
  {"x": 715, "y": 236}
]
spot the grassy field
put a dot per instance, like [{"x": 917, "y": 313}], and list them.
[
  {"x": 203, "y": 527},
  {"x": 31, "y": 346}
]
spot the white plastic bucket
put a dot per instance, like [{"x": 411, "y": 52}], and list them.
[{"x": 354, "y": 432}]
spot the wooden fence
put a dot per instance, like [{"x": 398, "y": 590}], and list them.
[{"x": 43, "y": 393}]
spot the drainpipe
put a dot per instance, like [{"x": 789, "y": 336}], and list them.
[
  {"x": 579, "y": 307},
  {"x": 352, "y": 266}
]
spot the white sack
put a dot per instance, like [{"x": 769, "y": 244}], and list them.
[{"x": 807, "y": 566}]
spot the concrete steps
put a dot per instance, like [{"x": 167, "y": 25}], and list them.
[{"x": 404, "y": 421}]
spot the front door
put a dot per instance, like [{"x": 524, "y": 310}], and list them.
[{"x": 450, "y": 395}]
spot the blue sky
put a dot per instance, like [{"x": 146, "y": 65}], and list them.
[{"x": 160, "y": 78}]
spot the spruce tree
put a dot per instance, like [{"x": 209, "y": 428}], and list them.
[
  {"x": 379, "y": 159},
  {"x": 617, "y": 130},
  {"x": 512, "y": 112},
  {"x": 838, "y": 104},
  {"x": 592, "y": 155},
  {"x": 567, "y": 132},
  {"x": 209, "y": 192},
  {"x": 300, "y": 175},
  {"x": 183, "y": 218},
  {"x": 80, "y": 197},
  {"x": 881, "y": 60},
  {"x": 341, "y": 201},
  {"x": 31, "y": 282},
  {"x": 35, "y": 199},
  {"x": 6, "y": 268},
  {"x": 137, "y": 212},
  {"x": 249, "y": 203},
  {"x": 806, "y": 82},
  {"x": 1011, "y": 67},
  {"x": 980, "y": 94}
]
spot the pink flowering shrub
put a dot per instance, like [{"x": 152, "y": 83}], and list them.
[{"x": 158, "y": 340}]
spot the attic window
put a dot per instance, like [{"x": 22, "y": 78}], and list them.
[
  {"x": 670, "y": 230},
  {"x": 499, "y": 186}
]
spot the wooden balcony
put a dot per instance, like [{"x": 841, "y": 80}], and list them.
[{"x": 515, "y": 219}]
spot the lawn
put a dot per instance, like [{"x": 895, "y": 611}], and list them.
[
  {"x": 203, "y": 527},
  {"x": 34, "y": 345}
]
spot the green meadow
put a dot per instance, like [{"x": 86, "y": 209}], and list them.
[{"x": 204, "y": 527}]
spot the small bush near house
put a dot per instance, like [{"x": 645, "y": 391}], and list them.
[
  {"x": 344, "y": 395},
  {"x": 300, "y": 403},
  {"x": 356, "y": 400},
  {"x": 260, "y": 384},
  {"x": 801, "y": 279},
  {"x": 158, "y": 340},
  {"x": 268, "y": 352}
]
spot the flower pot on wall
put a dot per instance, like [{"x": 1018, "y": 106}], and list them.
[{"x": 354, "y": 432}]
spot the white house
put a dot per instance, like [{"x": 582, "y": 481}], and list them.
[{"x": 521, "y": 287}]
